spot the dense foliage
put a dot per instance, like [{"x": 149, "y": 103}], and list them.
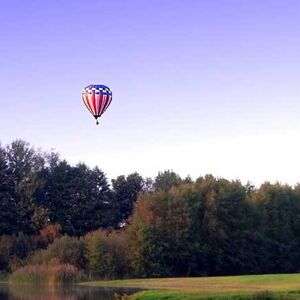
[{"x": 52, "y": 212}]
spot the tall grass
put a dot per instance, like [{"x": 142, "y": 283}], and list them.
[{"x": 47, "y": 274}]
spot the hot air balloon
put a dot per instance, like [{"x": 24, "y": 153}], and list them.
[{"x": 97, "y": 98}]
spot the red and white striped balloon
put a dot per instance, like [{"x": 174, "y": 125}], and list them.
[{"x": 96, "y": 98}]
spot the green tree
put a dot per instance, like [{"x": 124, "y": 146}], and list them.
[
  {"x": 125, "y": 191},
  {"x": 158, "y": 234},
  {"x": 8, "y": 207},
  {"x": 279, "y": 210},
  {"x": 100, "y": 260},
  {"x": 78, "y": 198},
  {"x": 166, "y": 180},
  {"x": 25, "y": 165}
]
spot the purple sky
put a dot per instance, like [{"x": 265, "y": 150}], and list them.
[{"x": 198, "y": 86}]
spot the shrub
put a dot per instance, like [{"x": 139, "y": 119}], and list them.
[
  {"x": 105, "y": 255},
  {"x": 65, "y": 250}
]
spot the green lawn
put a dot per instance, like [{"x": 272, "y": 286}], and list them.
[{"x": 283, "y": 286}]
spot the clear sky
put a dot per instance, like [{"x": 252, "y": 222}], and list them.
[{"x": 198, "y": 86}]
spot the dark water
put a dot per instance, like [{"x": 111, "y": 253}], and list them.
[{"x": 15, "y": 292}]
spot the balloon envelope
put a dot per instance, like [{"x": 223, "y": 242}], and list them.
[{"x": 97, "y": 98}]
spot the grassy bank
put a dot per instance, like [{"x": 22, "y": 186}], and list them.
[
  {"x": 164, "y": 295},
  {"x": 46, "y": 274},
  {"x": 283, "y": 286}
]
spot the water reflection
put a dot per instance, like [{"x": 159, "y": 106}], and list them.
[{"x": 14, "y": 292}]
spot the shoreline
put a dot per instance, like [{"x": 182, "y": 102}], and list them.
[{"x": 273, "y": 286}]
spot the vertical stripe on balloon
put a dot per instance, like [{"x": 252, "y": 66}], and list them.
[
  {"x": 97, "y": 99},
  {"x": 93, "y": 99},
  {"x": 100, "y": 104},
  {"x": 107, "y": 103},
  {"x": 103, "y": 104},
  {"x": 86, "y": 102}
]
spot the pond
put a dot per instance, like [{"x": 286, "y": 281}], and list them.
[{"x": 23, "y": 292}]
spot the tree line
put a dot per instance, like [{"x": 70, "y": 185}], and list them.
[
  {"x": 37, "y": 189},
  {"x": 51, "y": 211}
]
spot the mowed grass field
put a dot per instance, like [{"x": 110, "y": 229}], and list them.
[{"x": 282, "y": 286}]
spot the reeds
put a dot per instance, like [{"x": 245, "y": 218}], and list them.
[{"x": 48, "y": 274}]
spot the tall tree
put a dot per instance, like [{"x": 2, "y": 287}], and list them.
[
  {"x": 167, "y": 179},
  {"x": 8, "y": 208},
  {"x": 78, "y": 198},
  {"x": 279, "y": 210},
  {"x": 125, "y": 191},
  {"x": 24, "y": 165}
]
